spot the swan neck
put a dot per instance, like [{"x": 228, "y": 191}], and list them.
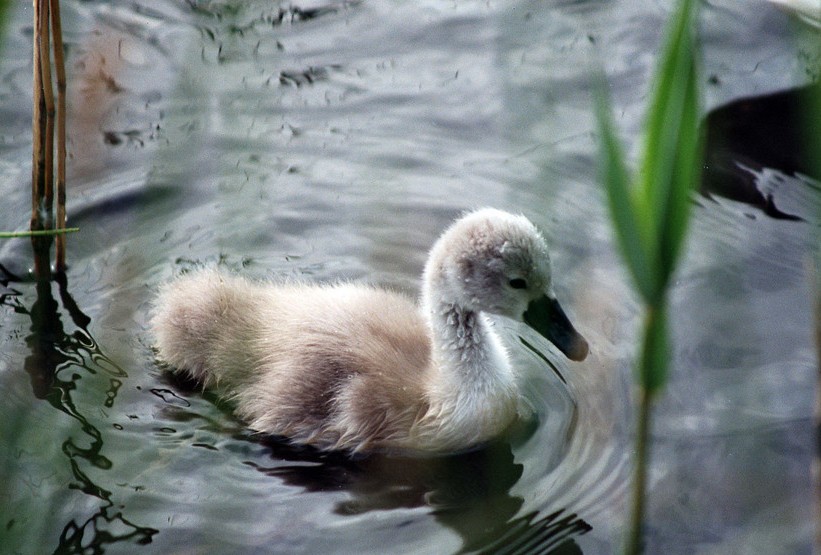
[{"x": 462, "y": 341}]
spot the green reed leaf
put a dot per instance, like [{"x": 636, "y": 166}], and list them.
[
  {"x": 686, "y": 177},
  {"x": 670, "y": 164},
  {"x": 620, "y": 198},
  {"x": 37, "y": 233}
]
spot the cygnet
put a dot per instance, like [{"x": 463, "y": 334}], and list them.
[{"x": 356, "y": 368}]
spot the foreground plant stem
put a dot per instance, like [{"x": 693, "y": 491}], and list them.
[
  {"x": 650, "y": 212},
  {"x": 652, "y": 373},
  {"x": 635, "y": 544}
]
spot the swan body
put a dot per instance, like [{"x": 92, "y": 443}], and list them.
[{"x": 357, "y": 368}]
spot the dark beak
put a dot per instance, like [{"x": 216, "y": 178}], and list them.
[{"x": 546, "y": 316}]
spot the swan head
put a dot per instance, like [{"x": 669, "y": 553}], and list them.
[{"x": 496, "y": 262}]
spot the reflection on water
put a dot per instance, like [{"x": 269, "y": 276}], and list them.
[
  {"x": 56, "y": 364},
  {"x": 469, "y": 493},
  {"x": 751, "y": 134}
]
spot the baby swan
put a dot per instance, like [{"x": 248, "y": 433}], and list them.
[{"x": 356, "y": 368}]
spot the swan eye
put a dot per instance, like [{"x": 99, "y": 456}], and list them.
[{"x": 518, "y": 283}]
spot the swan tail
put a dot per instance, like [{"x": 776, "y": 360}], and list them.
[{"x": 189, "y": 319}]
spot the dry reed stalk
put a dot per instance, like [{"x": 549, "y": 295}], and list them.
[
  {"x": 48, "y": 97},
  {"x": 38, "y": 128},
  {"x": 46, "y": 21},
  {"x": 60, "y": 69},
  {"x": 41, "y": 170}
]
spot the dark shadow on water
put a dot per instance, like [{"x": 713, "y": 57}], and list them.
[
  {"x": 467, "y": 492},
  {"x": 53, "y": 365},
  {"x": 751, "y": 134}
]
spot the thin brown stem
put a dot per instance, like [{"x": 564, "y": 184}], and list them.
[
  {"x": 38, "y": 127},
  {"x": 59, "y": 64},
  {"x": 48, "y": 97},
  {"x": 41, "y": 144}
]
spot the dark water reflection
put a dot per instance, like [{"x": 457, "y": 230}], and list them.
[
  {"x": 335, "y": 141},
  {"x": 469, "y": 493},
  {"x": 748, "y": 135},
  {"x": 56, "y": 363}
]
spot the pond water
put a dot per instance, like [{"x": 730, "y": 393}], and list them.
[{"x": 336, "y": 141}]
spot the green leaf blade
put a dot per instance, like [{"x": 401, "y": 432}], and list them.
[
  {"x": 37, "y": 233},
  {"x": 620, "y": 200},
  {"x": 686, "y": 177},
  {"x": 670, "y": 155}
]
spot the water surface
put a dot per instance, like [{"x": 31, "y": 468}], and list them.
[{"x": 336, "y": 141}]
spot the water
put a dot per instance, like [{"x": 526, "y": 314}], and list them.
[{"x": 336, "y": 141}]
